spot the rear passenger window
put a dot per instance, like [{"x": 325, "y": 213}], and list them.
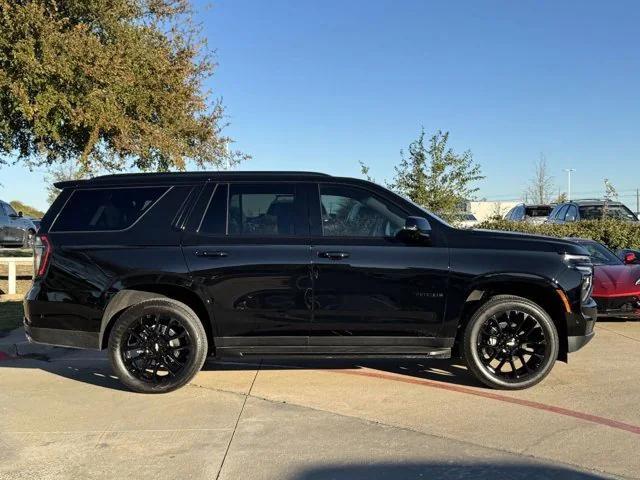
[
  {"x": 106, "y": 209},
  {"x": 262, "y": 209}
]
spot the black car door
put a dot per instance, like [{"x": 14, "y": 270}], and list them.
[
  {"x": 249, "y": 256},
  {"x": 367, "y": 283}
]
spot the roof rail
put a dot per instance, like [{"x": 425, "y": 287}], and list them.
[{"x": 186, "y": 176}]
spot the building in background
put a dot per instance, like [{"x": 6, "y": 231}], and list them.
[{"x": 484, "y": 210}]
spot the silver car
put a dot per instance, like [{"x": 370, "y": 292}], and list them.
[{"x": 15, "y": 230}]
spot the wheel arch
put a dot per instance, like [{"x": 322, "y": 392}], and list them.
[
  {"x": 540, "y": 290},
  {"x": 132, "y": 295}
]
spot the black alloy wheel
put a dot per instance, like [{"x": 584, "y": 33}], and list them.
[
  {"x": 510, "y": 343},
  {"x": 157, "y": 345},
  {"x": 155, "y": 348}
]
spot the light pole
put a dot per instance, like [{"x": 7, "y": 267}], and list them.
[{"x": 569, "y": 170}]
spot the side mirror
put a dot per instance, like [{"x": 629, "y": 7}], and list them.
[
  {"x": 20, "y": 214},
  {"x": 630, "y": 257},
  {"x": 419, "y": 224},
  {"x": 415, "y": 229}
]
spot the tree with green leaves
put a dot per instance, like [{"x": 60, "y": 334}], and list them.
[
  {"x": 435, "y": 177},
  {"x": 107, "y": 85}
]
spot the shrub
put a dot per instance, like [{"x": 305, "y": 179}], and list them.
[{"x": 613, "y": 233}]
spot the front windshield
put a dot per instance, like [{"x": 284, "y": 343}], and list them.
[
  {"x": 595, "y": 212},
  {"x": 601, "y": 255},
  {"x": 9, "y": 210}
]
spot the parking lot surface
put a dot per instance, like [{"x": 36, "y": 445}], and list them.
[{"x": 63, "y": 415}]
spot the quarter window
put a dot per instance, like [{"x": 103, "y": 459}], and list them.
[
  {"x": 106, "y": 209},
  {"x": 356, "y": 212},
  {"x": 262, "y": 210}
]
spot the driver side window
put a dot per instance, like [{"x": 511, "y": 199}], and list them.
[{"x": 355, "y": 212}]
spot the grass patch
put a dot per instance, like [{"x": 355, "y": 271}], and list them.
[
  {"x": 11, "y": 314},
  {"x": 16, "y": 252}
]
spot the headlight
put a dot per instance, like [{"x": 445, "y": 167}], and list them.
[
  {"x": 583, "y": 264},
  {"x": 587, "y": 287}
]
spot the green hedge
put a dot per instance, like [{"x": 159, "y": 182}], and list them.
[{"x": 614, "y": 233}]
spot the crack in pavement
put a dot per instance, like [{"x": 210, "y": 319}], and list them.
[
  {"x": 407, "y": 429},
  {"x": 235, "y": 427}
]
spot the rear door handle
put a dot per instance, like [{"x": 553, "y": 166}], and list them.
[
  {"x": 209, "y": 254},
  {"x": 334, "y": 255}
]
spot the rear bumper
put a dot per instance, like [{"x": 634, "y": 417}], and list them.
[
  {"x": 59, "y": 323},
  {"x": 61, "y": 338}
]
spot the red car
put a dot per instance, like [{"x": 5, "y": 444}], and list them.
[{"x": 616, "y": 282}]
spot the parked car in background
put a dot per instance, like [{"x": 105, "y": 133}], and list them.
[
  {"x": 15, "y": 230},
  {"x": 465, "y": 220},
  {"x": 616, "y": 282},
  {"x": 576, "y": 210},
  {"x": 529, "y": 213},
  {"x": 629, "y": 255},
  {"x": 163, "y": 269}
]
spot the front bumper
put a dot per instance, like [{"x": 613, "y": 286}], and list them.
[{"x": 580, "y": 326}]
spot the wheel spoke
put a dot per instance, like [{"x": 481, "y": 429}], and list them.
[
  {"x": 524, "y": 364},
  {"x": 513, "y": 366}
]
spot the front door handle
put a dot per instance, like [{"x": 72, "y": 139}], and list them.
[
  {"x": 334, "y": 255},
  {"x": 210, "y": 254}
]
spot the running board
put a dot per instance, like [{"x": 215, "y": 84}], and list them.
[{"x": 337, "y": 351}]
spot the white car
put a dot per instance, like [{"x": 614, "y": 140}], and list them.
[
  {"x": 529, "y": 213},
  {"x": 465, "y": 220}
]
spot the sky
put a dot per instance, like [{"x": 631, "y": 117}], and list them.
[{"x": 321, "y": 85}]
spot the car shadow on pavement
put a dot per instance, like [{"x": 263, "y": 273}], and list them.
[
  {"x": 444, "y": 471},
  {"x": 92, "y": 367},
  {"x": 451, "y": 371}
]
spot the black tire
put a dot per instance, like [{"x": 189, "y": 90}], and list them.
[
  {"x": 510, "y": 331},
  {"x": 157, "y": 346}
]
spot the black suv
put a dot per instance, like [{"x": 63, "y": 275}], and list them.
[
  {"x": 164, "y": 269},
  {"x": 590, "y": 210}
]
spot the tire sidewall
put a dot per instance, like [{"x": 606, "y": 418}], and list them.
[
  {"x": 493, "y": 307},
  {"x": 188, "y": 319}
]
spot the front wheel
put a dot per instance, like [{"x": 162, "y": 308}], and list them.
[
  {"x": 510, "y": 343},
  {"x": 157, "y": 346}
]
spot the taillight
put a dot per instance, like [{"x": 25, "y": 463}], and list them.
[{"x": 41, "y": 255}]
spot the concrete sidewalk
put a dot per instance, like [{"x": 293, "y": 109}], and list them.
[{"x": 63, "y": 415}]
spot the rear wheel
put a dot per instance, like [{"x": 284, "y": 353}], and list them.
[
  {"x": 157, "y": 346},
  {"x": 510, "y": 343}
]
